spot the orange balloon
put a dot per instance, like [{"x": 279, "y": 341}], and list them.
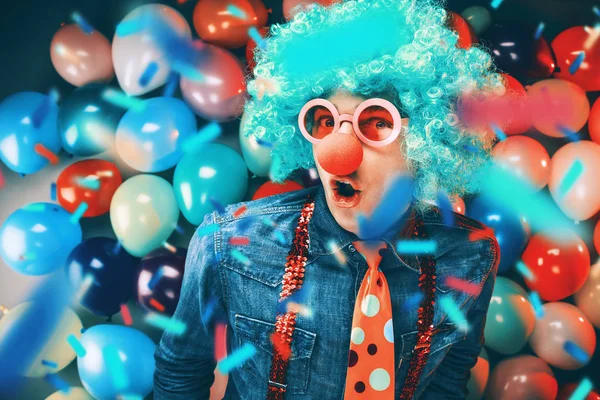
[
  {"x": 251, "y": 45},
  {"x": 271, "y": 189},
  {"x": 594, "y": 122},
  {"x": 557, "y": 103},
  {"x": 216, "y": 25},
  {"x": 582, "y": 197},
  {"x": 289, "y": 5},
  {"x": 567, "y": 46},
  {"x": 466, "y": 34},
  {"x": 93, "y": 182},
  {"x": 518, "y": 118},
  {"x": 524, "y": 157},
  {"x": 597, "y": 237}
]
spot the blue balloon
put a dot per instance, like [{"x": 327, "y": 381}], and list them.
[
  {"x": 27, "y": 119},
  {"x": 118, "y": 360},
  {"x": 112, "y": 271},
  {"x": 87, "y": 123},
  {"x": 510, "y": 232},
  {"x": 215, "y": 172},
  {"x": 150, "y": 139},
  {"x": 37, "y": 239}
]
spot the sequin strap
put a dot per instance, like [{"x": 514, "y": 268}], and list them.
[
  {"x": 285, "y": 324},
  {"x": 424, "y": 319}
]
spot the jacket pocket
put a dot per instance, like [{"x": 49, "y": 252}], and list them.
[
  {"x": 443, "y": 335},
  {"x": 258, "y": 333}
]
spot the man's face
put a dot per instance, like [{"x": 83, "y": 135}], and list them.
[{"x": 369, "y": 181}]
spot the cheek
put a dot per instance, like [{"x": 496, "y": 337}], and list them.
[{"x": 384, "y": 160}]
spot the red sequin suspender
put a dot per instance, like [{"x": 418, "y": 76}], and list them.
[{"x": 284, "y": 326}]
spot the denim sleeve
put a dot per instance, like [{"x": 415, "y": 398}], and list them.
[
  {"x": 452, "y": 375},
  {"x": 185, "y": 363}
]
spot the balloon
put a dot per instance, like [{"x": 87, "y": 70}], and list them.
[
  {"x": 597, "y": 237},
  {"x": 561, "y": 106},
  {"x": 478, "y": 17},
  {"x": 560, "y": 268},
  {"x": 479, "y": 376},
  {"x": 516, "y": 119},
  {"x": 134, "y": 51},
  {"x": 562, "y": 322},
  {"x": 80, "y": 57},
  {"x": 522, "y": 377},
  {"x": 111, "y": 271},
  {"x": 510, "y": 318},
  {"x": 272, "y": 189},
  {"x": 509, "y": 231},
  {"x": 75, "y": 393},
  {"x": 512, "y": 48},
  {"x": 87, "y": 123},
  {"x": 143, "y": 213},
  {"x": 458, "y": 205},
  {"x": 160, "y": 276},
  {"x": 91, "y": 181},
  {"x": 544, "y": 61},
  {"x": 226, "y": 87},
  {"x": 574, "y": 168},
  {"x": 217, "y": 172},
  {"x": 130, "y": 349},
  {"x": 466, "y": 34},
  {"x": 594, "y": 122},
  {"x": 37, "y": 238},
  {"x": 567, "y": 390},
  {"x": 150, "y": 140},
  {"x": 524, "y": 157},
  {"x": 257, "y": 156},
  {"x": 289, "y": 6},
  {"x": 56, "y": 348},
  {"x": 251, "y": 46},
  {"x": 567, "y": 46},
  {"x": 588, "y": 297},
  {"x": 19, "y": 116},
  {"x": 216, "y": 25}
]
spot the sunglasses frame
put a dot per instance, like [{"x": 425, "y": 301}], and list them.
[{"x": 353, "y": 118}]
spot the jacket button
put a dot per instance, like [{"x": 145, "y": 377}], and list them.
[{"x": 351, "y": 248}]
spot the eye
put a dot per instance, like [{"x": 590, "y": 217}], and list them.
[{"x": 325, "y": 122}]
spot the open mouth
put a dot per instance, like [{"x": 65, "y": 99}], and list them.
[{"x": 344, "y": 193}]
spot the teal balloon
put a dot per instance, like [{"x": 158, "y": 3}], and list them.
[
  {"x": 143, "y": 213},
  {"x": 150, "y": 140},
  {"x": 38, "y": 238},
  {"x": 87, "y": 123},
  {"x": 478, "y": 17},
  {"x": 118, "y": 360},
  {"x": 257, "y": 156},
  {"x": 214, "y": 172},
  {"x": 27, "y": 119},
  {"x": 510, "y": 318}
]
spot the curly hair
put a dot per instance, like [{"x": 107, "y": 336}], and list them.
[{"x": 369, "y": 47}]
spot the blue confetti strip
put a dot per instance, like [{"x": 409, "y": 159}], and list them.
[
  {"x": 454, "y": 313},
  {"x": 279, "y": 235},
  {"x": 187, "y": 71},
  {"x": 83, "y": 24},
  {"x": 238, "y": 255},
  {"x": 471, "y": 149},
  {"x": 412, "y": 302},
  {"x": 577, "y": 63},
  {"x": 416, "y": 246},
  {"x": 148, "y": 74},
  {"x": 496, "y": 3},
  {"x": 114, "y": 364},
  {"x": 525, "y": 271},
  {"x": 92, "y": 183},
  {"x": 58, "y": 383},
  {"x": 76, "y": 216},
  {"x": 208, "y": 229},
  {"x": 445, "y": 206},
  {"x": 245, "y": 222},
  {"x": 156, "y": 278},
  {"x": 122, "y": 100},
  {"x": 53, "y": 191},
  {"x": 596, "y": 10},
  {"x": 50, "y": 364},
  {"x": 539, "y": 30},
  {"x": 264, "y": 143},
  {"x": 576, "y": 352},
  {"x": 536, "y": 302},
  {"x": 171, "y": 85},
  {"x": 76, "y": 345},
  {"x": 117, "y": 248},
  {"x": 217, "y": 205},
  {"x": 179, "y": 229},
  {"x": 499, "y": 132},
  {"x": 208, "y": 312},
  {"x": 130, "y": 27},
  {"x": 168, "y": 324},
  {"x": 237, "y": 358},
  {"x": 583, "y": 390},
  {"x": 255, "y": 35},
  {"x": 574, "y": 172},
  {"x": 569, "y": 134},
  {"x": 268, "y": 222},
  {"x": 236, "y": 12},
  {"x": 207, "y": 134}
]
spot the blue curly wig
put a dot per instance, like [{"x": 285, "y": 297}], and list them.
[{"x": 370, "y": 47}]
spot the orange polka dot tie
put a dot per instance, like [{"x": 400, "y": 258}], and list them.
[{"x": 371, "y": 361}]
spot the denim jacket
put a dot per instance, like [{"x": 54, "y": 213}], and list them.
[{"x": 245, "y": 291}]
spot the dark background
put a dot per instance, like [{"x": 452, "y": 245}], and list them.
[{"x": 27, "y": 27}]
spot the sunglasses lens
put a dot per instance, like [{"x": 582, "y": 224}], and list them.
[
  {"x": 376, "y": 123},
  {"x": 319, "y": 122}
]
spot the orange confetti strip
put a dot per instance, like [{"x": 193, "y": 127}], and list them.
[
  {"x": 240, "y": 211},
  {"x": 481, "y": 234},
  {"x": 1, "y": 180},
  {"x": 239, "y": 241},
  {"x": 157, "y": 305},
  {"x": 170, "y": 247},
  {"x": 44, "y": 152},
  {"x": 220, "y": 344},
  {"x": 462, "y": 285},
  {"x": 126, "y": 314}
]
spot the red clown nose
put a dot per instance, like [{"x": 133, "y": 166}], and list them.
[{"x": 339, "y": 153}]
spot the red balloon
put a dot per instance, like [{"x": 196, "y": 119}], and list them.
[
  {"x": 216, "y": 25},
  {"x": 89, "y": 181},
  {"x": 567, "y": 46},
  {"x": 544, "y": 60},
  {"x": 597, "y": 237},
  {"x": 271, "y": 189},
  {"x": 466, "y": 34},
  {"x": 559, "y": 269},
  {"x": 289, "y": 5},
  {"x": 594, "y": 122},
  {"x": 567, "y": 390},
  {"x": 251, "y": 46}
]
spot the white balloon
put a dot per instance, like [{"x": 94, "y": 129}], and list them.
[
  {"x": 75, "y": 393},
  {"x": 257, "y": 157},
  {"x": 132, "y": 53}
]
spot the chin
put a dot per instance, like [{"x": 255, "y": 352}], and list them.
[{"x": 345, "y": 217}]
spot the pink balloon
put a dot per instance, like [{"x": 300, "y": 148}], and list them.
[
  {"x": 288, "y": 6},
  {"x": 588, "y": 297},
  {"x": 594, "y": 122},
  {"x": 582, "y": 200},
  {"x": 81, "y": 58},
  {"x": 522, "y": 377},
  {"x": 524, "y": 157},
  {"x": 562, "y": 322},
  {"x": 221, "y": 93}
]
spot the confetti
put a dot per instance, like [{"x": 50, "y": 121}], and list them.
[
  {"x": 574, "y": 172},
  {"x": 120, "y": 99},
  {"x": 462, "y": 285},
  {"x": 255, "y": 35},
  {"x": 238, "y": 255},
  {"x": 496, "y": 3},
  {"x": 577, "y": 63},
  {"x": 171, "y": 85},
  {"x": 236, "y": 12},
  {"x": 115, "y": 365},
  {"x": 148, "y": 74},
  {"x": 280, "y": 238},
  {"x": 170, "y": 247},
  {"x": 50, "y": 364},
  {"x": 187, "y": 71},
  {"x": 471, "y": 149},
  {"x": 336, "y": 250},
  {"x": 207, "y": 134},
  {"x": 237, "y": 358},
  {"x": 539, "y": 30},
  {"x": 245, "y": 222},
  {"x": 239, "y": 241},
  {"x": 76, "y": 345},
  {"x": 2, "y": 181},
  {"x": 237, "y": 213},
  {"x": 499, "y": 132},
  {"x": 44, "y": 152},
  {"x": 416, "y": 246},
  {"x": 58, "y": 383},
  {"x": 208, "y": 229},
  {"x": 117, "y": 248},
  {"x": 576, "y": 352},
  {"x": 264, "y": 143},
  {"x": 217, "y": 205},
  {"x": 569, "y": 134},
  {"x": 220, "y": 344},
  {"x": 179, "y": 229},
  {"x": 592, "y": 38},
  {"x": 35, "y": 207},
  {"x": 283, "y": 348},
  {"x": 269, "y": 222},
  {"x": 154, "y": 303},
  {"x": 85, "y": 285},
  {"x": 206, "y": 315},
  {"x": 89, "y": 182},
  {"x": 155, "y": 278},
  {"x": 536, "y": 302},
  {"x": 170, "y": 325},
  {"x": 583, "y": 390},
  {"x": 454, "y": 313},
  {"x": 133, "y": 26},
  {"x": 76, "y": 216},
  {"x": 596, "y": 10},
  {"x": 53, "y": 191},
  {"x": 412, "y": 302},
  {"x": 298, "y": 297},
  {"x": 126, "y": 315},
  {"x": 82, "y": 23},
  {"x": 525, "y": 271},
  {"x": 445, "y": 206}
]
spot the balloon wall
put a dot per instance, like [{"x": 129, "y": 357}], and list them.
[{"x": 111, "y": 156}]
